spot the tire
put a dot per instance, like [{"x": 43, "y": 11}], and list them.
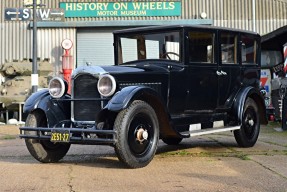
[
  {"x": 248, "y": 134},
  {"x": 172, "y": 140},
  {"x": 137, "y": 134},
  {"x": 43, "y": 150}
]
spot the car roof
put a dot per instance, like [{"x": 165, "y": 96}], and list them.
[
  {"x": 176, "y": 27},
  {"x": 275, "y": 40}
]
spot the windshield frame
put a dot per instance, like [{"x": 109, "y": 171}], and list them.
[{"x": 179, "y": 32}]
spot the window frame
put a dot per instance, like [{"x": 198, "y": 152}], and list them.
[
  {"x": 214, "y": 46},
  {"x": 236, "y": 59},
  {"x": 255, "y": 47},
  {"x": 118, "y": 46}
]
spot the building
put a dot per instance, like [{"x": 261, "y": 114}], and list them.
[{"x": 89, "y": 24}]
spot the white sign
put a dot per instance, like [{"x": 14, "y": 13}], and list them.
[
  {"x": 14, "y": 14},
  {"x": 50, "y": 15},
  {"x": 25, "y": 14}
]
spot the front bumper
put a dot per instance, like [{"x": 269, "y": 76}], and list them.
[{"x": 89, "y": 136}]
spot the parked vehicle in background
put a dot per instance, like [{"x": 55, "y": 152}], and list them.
[
  {"x": 15, "y": 84},
  {"x": 168, "y": 82}
]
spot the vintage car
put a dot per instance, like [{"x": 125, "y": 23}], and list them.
[{"x": 168, "y": 82}]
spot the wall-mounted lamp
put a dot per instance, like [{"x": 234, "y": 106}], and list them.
[{"x": 203, "y": 15}]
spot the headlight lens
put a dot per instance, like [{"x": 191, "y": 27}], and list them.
[
  {"x": 57, "y": 87},
  {"x": 106, "y": 85}
]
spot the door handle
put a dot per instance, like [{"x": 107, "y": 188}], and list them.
[
  {"x": 219, "y": 73},
  {"x": 223, "y": 72}
]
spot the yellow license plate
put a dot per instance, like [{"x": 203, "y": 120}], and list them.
[{"x": 60, "y": 136}]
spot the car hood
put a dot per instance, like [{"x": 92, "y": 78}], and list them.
[{"x": 120, "y": 70}]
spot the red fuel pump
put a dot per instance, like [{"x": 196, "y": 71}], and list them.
[{"x": 67, "y": 62}]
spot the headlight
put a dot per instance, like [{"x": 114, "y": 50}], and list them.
[
  {"x": 106, "y": 85},
  {"x": 57, "y": 87}
]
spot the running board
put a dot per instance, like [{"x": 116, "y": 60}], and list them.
[{"x": 209, "y": 131}]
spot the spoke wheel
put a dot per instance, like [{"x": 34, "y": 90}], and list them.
[
  {"x": 249, "y": 122},
  {"x": 137, "y": 134},
  {"x": 139, "y": 139},
  {"x": 249, "y": 131}
]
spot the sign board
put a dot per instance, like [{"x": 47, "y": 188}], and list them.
[
  {"x": 122, "y": 9},
  {"x": 50, "y": 15},
  {"x": 25, "y": 14},
  {"x": 265, "y": 81},
  {"x": 15, "y": 14},
  {"x": 278, "y": 68}
]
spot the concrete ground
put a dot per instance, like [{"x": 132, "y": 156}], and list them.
[{"x": 205, "y": 163}]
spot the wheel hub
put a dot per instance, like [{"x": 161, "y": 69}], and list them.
[
  {"x": 251, "y": 122},
  {"x": 141, "y": 135}
]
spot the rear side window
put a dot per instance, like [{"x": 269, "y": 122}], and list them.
[
  {"x": 248, "y": 50},
  {"x": 228, "y": 48},
  {"x": 201, "y": 46}
]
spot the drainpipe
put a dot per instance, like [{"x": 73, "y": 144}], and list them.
[{"x": 254, "y": 15}]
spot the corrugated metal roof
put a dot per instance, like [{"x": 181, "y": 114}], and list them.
[{"x": 16, "y": 37}]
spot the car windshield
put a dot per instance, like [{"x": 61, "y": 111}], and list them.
[{"x": 163, "y": 46}]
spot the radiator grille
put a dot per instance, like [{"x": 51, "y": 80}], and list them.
[{"x": 85, "y": 87}]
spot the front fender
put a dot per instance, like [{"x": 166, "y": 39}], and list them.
[
  {"x": 240, "y": 99},
  {"x": 127, "y": 95},
  {"x": 123, "y": 98},
  {"x": 55, "y": 110},
  {"x": 33, "y": 101}
]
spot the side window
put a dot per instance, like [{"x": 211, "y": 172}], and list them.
[
  {"x": 228, "y": 48},
  {"x": 248, "y": 50},
  {"x": 201, "y": 46}
]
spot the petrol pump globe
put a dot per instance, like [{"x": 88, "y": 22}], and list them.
[{"x": 67, "y": 61}]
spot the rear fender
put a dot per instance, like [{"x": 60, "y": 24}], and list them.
[
  {"x": 240, "y": 99},
  {"x": 55, "y": 110}
]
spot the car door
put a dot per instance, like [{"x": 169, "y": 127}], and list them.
[
  {"x": 229, "y": 77},
  {"x": 202, "y": 71}
]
